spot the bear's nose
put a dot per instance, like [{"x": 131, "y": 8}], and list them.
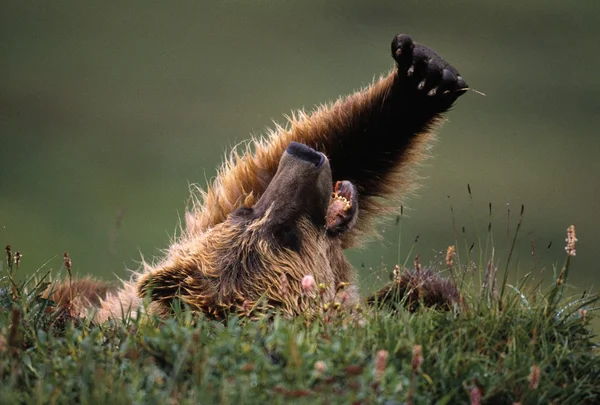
[{"x": 303, "y": 152}]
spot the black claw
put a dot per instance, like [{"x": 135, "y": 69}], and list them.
[
  {"x": 448, "y": 81},
  {"x": 448, "y": 76},
  {"x": 402, "y": 50},
  {"x": 401, "y": 44},
  {"x": 434, "y": 73}
]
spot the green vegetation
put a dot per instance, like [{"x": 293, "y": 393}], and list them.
[{"x": 500, "y": 345}]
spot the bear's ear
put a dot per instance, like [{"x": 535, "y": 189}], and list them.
[{"x": 343, "y": 209}]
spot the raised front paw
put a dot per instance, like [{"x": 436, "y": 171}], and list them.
[{"x": 426, "y": 72}]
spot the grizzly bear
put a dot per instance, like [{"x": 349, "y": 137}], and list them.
[{"x": 287, "y": 206}]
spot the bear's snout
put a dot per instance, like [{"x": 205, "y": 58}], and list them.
[{"x": 303, "y": 152}]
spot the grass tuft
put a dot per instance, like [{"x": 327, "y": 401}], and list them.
[{"x": 525, "y": 344}]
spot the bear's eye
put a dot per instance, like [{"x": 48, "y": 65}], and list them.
[
  {"x": 243, "y": 212},
  {"x": 288, "y": 236}
]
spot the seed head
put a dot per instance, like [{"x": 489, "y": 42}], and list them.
[
  {"x": 450, "y": 255},
  {"x": 396, "y": 273},
  {"x": 571, "y": 240},
  {"x": 342, "y": 285},
  {"x": 417, "y": 358},
  {"x": 18, "y": 256},
  {"x": 67, "y": 261},
  {"x": 322, "y": 288},
  {"x": 8, "y": 255},
  {"x": 381, "y": 363},
  {"x": 418, "y": 263},
  {"x": 534, "y": 377}
]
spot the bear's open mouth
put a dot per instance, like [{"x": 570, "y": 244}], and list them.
[
  {"x": 342, "y": 210},
  {"x": 341, "y": 196}
]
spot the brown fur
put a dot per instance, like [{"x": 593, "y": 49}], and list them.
[
  {"x": 80, "y": 294},
  {"x": 261, "y": 225},
  {"x": 246, "y": 175},
  {"x": 413, "y": 288}
]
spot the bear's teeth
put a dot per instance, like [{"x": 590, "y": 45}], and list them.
[{"x": 347, "y": 204}]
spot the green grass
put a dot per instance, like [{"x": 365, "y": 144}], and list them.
[{"x": 527, "y": 345}]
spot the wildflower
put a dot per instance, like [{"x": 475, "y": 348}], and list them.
[
  {"x": 571, "y": 240},
  {"x": 534, "y": 377},
  {"x": 450, "y": 255},
  {"x": 320, "y": 367},
  {"x": 380, "y": 363},
  {"x": 417, "y": 358},
  {"x": 308, "y": 285},
  {"x": 476, "y": 396}
]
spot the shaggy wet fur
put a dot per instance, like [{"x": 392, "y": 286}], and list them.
[
  {"x": 412, "y": 288},
  {"x": 272, "y": 215}
]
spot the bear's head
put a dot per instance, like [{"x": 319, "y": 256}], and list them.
[{"x": 260, "y": 254}]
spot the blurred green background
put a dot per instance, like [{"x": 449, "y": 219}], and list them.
[{"x": 108, "y": 110}]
